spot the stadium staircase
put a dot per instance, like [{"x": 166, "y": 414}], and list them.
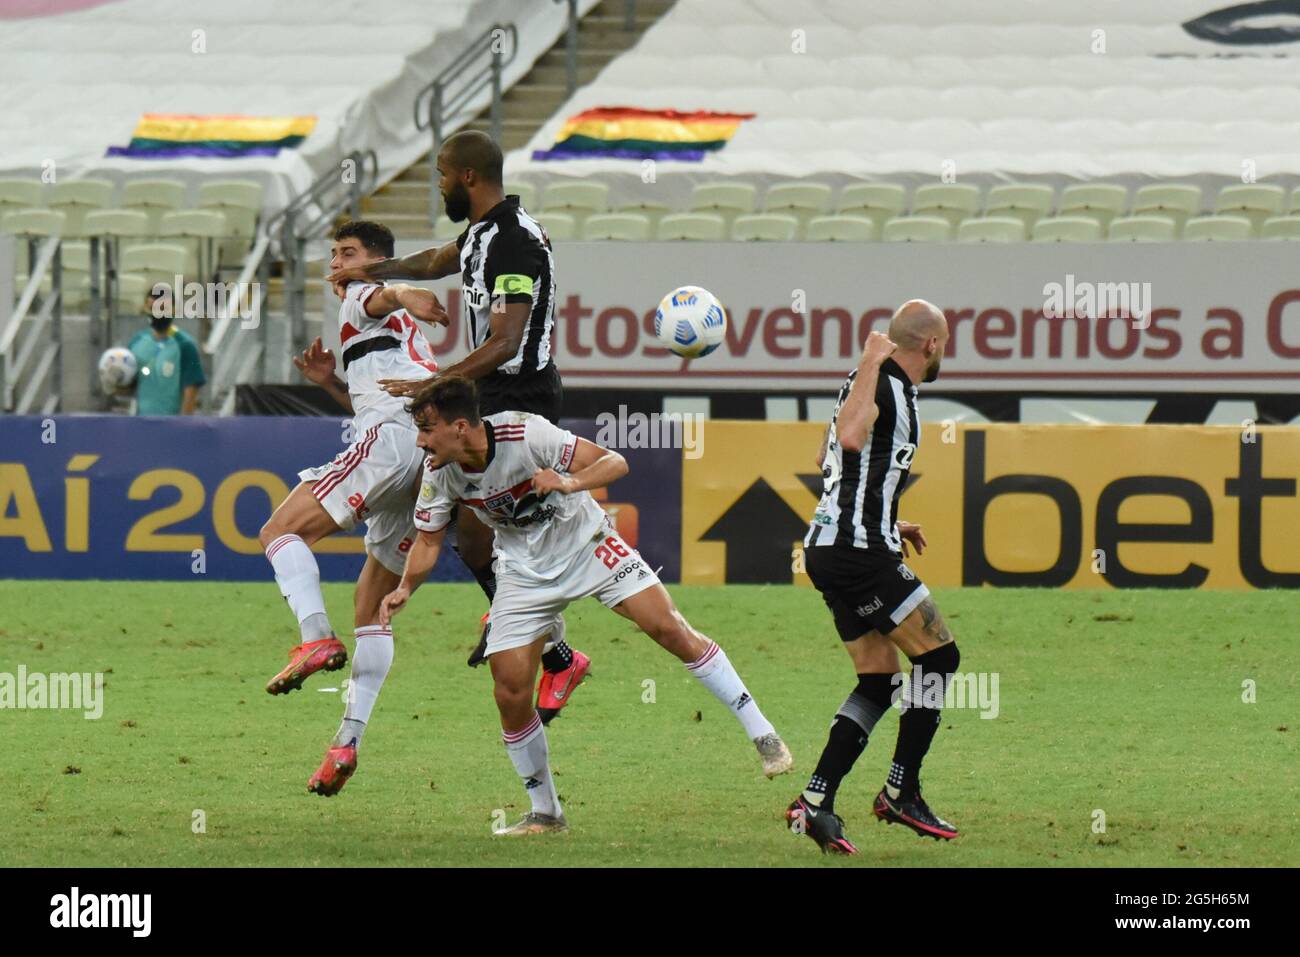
[{"x": 403, "y": 204}]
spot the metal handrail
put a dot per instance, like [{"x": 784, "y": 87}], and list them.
[
  {"x": 306, "y": 217},
  {"x": 440, "y": 104},
  {"x": 12, "y": 366}
]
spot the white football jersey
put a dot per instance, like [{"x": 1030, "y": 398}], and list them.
[
  {"x": 535, "y": 536},
  {"x": 390, "y": 347}
]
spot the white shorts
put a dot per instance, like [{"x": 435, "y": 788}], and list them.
[
  {"x": 524, "y": 611},
  {"x": 375, "y": 480}
]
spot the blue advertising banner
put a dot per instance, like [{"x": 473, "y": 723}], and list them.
[{"x": 170, "y": 498}]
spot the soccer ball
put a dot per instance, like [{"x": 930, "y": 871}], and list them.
[
  {"x": 117, "y": 369},
  {"x": 690, "y": 321}
]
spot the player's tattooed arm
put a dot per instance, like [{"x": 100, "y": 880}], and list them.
[
  {"x": 508, "y": 322},
  {"x": 432, "y": 263},
  {"x": 932, "y": 622},
  {"x": 859, "y": 411}
]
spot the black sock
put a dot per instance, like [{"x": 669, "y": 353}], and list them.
[
  {"x": 922, "y": 712},
  {"x": 849, "y": 733},
  {"x": 558, "y": 658}
]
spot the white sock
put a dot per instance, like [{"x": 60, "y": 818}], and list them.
[
  {"x": 716, "y": 673},
  {"x": 298, "y": 576},
  {"x": 528, "y": 752},
  {"x": 370, "y": 663}
]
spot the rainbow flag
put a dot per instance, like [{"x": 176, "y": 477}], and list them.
[
  {"x": 170, "y": 135},
  {"x": 625, "y": 132}
]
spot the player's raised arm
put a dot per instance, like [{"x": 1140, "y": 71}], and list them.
[
  {"x": 419, "y": 563},
  {"x": 858, "y": 414},
  {"x": 591, "y": 467},
  {"x": 432, "y": 263},
  {"x": 422, "y": 304}
]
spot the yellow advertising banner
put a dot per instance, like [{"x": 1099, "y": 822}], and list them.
[{"x": 1063, "y": 506}]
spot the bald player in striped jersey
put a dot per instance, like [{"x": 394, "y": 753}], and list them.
[{"x": 855, "y": 550}]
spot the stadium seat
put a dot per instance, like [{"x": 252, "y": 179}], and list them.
[
  {"x": 1067, "y": 229},
  {"x": 558, "y": 226},
  {"x": 727, "y": 200},
  {"x": 991, "y": 229},
  {"x": 118, "y": 222},
  {"x": 1027, "y": 202},
  {"x": 526, "y": 192},
  {"x": 1176, "y": 201},
  {"x": 630, "y": 227},
  {"x": 1101, "y": 202},
  {"x": 21, "y": 192},
  {"x": 33, "y": 222},
  {"x": 1218, "y": 229},
  {"x": 157, "y": 262},
  {"x": 153, "y": 197},
  {"x": 75, "y": 255},
  {"x": 844, "y": 229},
  {"x": 772, "y": 227},
  {"x": 578, "y": 199},
  {"x": 707, "y": 227},
  {"x": 917, "y": 229},
  {"x": 878, "y": 202},
  {"x": 951, "y": 201},
  {"x": 1281, "y": 227},
  {"x": 1143, "y": 229},
  {"x": 75, "y": 198},
  {"x": 1255, "y": 202},
  {"x": 202, "y": 227},
  {"x": 653, "y": 212},
  {"x": 1294, "y": 205},
  {"x": 803, "y": 201},
  {"x": 244, "y": 193}
]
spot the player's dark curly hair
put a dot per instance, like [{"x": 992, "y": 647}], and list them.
[
  {"x": 375, "y": 237},
  {"x": 451, "y": 397}
]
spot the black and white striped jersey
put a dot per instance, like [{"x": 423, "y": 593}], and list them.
[
  {"x": 506, "y": 256},
  {"x": 859, "y": 503}
]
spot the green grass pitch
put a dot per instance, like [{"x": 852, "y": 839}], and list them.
[{"x": 1128, "y": 703}]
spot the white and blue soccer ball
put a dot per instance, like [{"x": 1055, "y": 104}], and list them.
[
  {"x": 117, "y": 369},
  {"x": 691, "y": 322}
]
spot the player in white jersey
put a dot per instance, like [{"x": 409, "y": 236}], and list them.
[
  {"x": 374, "y": 480},
  {"x": 530, "y": 481}
]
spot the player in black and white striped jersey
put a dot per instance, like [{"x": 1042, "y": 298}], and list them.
[
  {"x": 508, "y": 290},
  {"x": 854, "y": 554}
]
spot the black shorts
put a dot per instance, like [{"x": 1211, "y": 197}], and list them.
[
  {"x": 864, "y": 590},
  {"x": 541, "y": 393}
]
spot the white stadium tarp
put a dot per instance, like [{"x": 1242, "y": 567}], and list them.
[
  {"x": 1045, "y": 90},
  {"x": 1199, "y": 317},
  {"x": 73, "y": 84}
]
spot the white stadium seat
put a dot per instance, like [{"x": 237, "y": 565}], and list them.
[
  {"x": 951, "y": 201},
  {"x": 878, "y": 202},
  {"x": 991, "y": 229},
  {"x": 1281, "y": 227},
  {"x": 1143, "y": 229},
  {"x": 1217, "y": 229},
  {"x": 772, "y": 227},
  {"x": 558, "y": 226},
  {"x": 917, "y": 229},
  {"x": 1100, "y": 202},
  {"x": 1067, "y": 229},
  {"x": 631, "y": 227},
  {"x": 1027, "y": 202},
  {"x": 1255, "y": 202},
  {"x": 845, "y": 229},
  {"x": 1176, "y": 201},
  {"x": 708, "y": 227},
  {"x": 803, "y": 201},
  {"x": 725, "y": 199}
]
